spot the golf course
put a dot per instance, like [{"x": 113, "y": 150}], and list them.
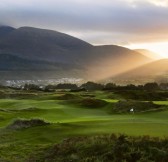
[{"x": 65, "y": 115}]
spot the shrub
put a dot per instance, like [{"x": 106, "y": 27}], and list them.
[
  {"x": 106, "y": 149},
  {"x": 137, "y": 106},
  {"x": 67, "y": 97},
  {"x": 23, "y": 123},
  {"x": 92, "y": 103}
]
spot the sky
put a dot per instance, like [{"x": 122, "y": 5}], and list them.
[{"x": 129, "y": 23}]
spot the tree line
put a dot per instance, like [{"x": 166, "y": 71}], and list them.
[{"x": 92, "y": 86}]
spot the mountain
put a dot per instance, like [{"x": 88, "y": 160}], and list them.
[
  {"x": 48, "y": 49},
  {"x": 5, "y": 30},
  {"x": 149, "y": 54},
  {"x": 11, "y": 63},
  {"x": 41, "y": 44},
  {"x": 13, "y": 67},
  {"x": 154, "y": 71}
]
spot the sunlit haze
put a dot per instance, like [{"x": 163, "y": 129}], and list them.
[{"x": 160, "y": 48}]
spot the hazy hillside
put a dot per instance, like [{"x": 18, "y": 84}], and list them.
[
  {"x": 5, "y": 30},
  {"x": 14, "y": 67},
  {"x": 11, "y": 62},
  {"x": 49, "y": 46},
  {"x": 156, "y": 70},
  {"x": 149, "y": 54},
  {"x": 111, "y": 60}
]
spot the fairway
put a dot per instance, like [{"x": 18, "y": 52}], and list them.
[{"x": 56, "y": 111}]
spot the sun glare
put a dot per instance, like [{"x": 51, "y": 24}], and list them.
[
  {"x": 160, "y": 48},
  {"x": 161, "y": 3}
]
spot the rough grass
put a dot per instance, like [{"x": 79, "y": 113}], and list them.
[
  {"x": 92, "y": 103},
  {"x": 106, "y": 149},
  {"x": 67, "y": 97},
  {"x": 143, "y": 95},
  {"x": 137, "y": 106},
  {"x": 30, "y": 109},
  {"x": 23, "y": 123}
]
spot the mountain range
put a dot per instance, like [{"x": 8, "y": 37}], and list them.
[{"x": 33, "y": 53}]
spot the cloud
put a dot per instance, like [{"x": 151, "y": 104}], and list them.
[{"x": 100, "y": 22}]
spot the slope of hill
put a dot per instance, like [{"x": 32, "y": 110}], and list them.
[
  {"x": 153, "y": 71},
  {"x": 14, "y": 68},
  {"x": 41, "y": 44},
  {"x": 11, "y": 62},
  {"x": 5, "y": 30},
  {"x": 96, "y": 62},
  {"x": 110, "y": 60},
  {"x": 149, "y": 54}
]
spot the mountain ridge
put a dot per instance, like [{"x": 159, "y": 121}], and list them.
[{"x": 4, "y": 30}]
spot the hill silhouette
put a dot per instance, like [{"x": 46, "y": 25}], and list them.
[{"x": 5, "y": 30}]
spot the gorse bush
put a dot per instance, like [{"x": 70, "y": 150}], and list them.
[
  {"x": 113, "y": 148},
  {"x": 143, "y": 95},
  {"x": 23, "y": 123},
  {"x": 67, "y": 97},
  {"x": 137, "y": 106},
  {"x": 92, "y": 103}
]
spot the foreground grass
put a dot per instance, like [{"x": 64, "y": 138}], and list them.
[
  {"x": 20, "y": 144},
  {"x": 106, "y": 149}
]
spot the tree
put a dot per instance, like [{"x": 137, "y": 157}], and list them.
[
  {"x": 164, "y": 86},
  {"x": 31, "y": 87},
  {"x": 67, "y": 86},
  {"x": 151, "y": 86},
  {"x": 110, "y": 86},
  {"x": 92, "y": 86}
]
